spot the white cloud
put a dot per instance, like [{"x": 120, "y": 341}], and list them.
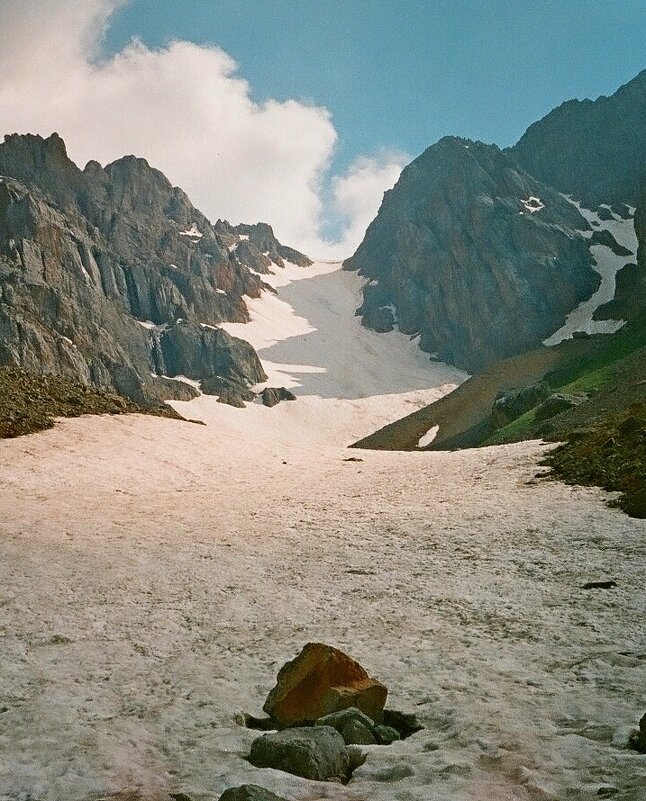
[{"x": 188, "y": 113}]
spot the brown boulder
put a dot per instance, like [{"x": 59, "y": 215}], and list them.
[{"x": 322, "y": 680}]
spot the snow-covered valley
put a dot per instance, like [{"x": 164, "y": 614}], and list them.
[{"x": 156, "y": 574}]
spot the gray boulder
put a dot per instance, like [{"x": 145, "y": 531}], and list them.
[
  {"x": 249, "y": 792},
  {"x": 317, "y": 753},
  {"x": 556, "y": 404},
  {"x": 353, "y": 725}
]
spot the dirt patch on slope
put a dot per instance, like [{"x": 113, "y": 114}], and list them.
[{"x": 30, "y": 402}]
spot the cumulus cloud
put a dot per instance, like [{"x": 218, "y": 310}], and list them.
[{"x": 188, "y": 112}]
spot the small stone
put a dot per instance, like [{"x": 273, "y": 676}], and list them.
[
  {"x": 249, "y": 792},
  {"x": 385, "y": 735},
  {"x": 355, "y": 733},
  {"x": 599, "y": 585}
]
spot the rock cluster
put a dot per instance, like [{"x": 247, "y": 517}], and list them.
[
  {"x": 324, "y": 705},
  {"x": 110, "y": 276}
]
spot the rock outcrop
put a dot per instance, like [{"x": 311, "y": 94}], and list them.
[
  {"x": 111, "y": 276},
  {"x": 595, "y": 150},
  {"x": 472, "y": 254},
  {"x": 319, "y": 681},
  {"x": 271, "y": 396}
]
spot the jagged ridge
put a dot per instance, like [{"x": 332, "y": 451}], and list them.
[{"x": 85, "y": 254}]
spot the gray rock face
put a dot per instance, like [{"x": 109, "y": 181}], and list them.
[
  {"x": 475, "y": 255},
  {"x": 595, "y": 150},
  {"x": 317, "y": 753},
  {"x": 86, "y": 254},
  {"x": 249, "y": 792}
]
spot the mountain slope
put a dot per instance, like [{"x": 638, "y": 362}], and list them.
[
  {"x": 111, "y": 276},
  {"x": 594, "y": 150},
  {"x": 474, "y": 255}
]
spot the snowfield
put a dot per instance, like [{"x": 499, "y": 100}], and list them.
[{"x": 155, "y": 575}]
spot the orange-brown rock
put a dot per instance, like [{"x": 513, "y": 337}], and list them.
[{"x": 322, "y": 680}]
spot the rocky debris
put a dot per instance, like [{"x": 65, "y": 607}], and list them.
[
  {"x": 594, "y": 150},
  {"x": 249, "y": 792},
  {"x": 557, "y": 403},
  {"x": 513, "y": 403},
  {"x": 274, "y": 395},
  {"x": 111, "y": 277},
  {"x": 469, "y": 259},
  {"x": 355, "y": 727},
  {"x": 30, "y": 402},
  {"x": 317, "y": 753},
  {"x": 319, "y": 681},
  {"x": 605, "y": 237}
]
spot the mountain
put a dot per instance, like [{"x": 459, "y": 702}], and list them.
[
  {"x": 111, "y": 276},
  {"x": 594, "y": 150},
  {"x": 473, "y": 254}
]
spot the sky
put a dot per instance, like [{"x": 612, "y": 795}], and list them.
[{"x": 301, "y": 113}]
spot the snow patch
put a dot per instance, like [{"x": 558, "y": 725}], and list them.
[
  {"x": 193, "y": 232},
  {"x": 532, "y": 204},
  {"x": 182, "y": 379},
  {"x": 146, "y": 324},
  {"x": 607, "y": 264},
  {"x": 428, "y": 437}
]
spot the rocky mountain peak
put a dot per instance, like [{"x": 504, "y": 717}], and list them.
[
  {"x": 112, "y": 276},
  {"x": 472, "y": 254},
  {"x": 593, "y": 149}
]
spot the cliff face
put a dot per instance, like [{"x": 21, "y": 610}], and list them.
[
  {"x": 595, "y": 150},
  {"x": 474, "y": 255},
  {"x": 110, "y": 274}
]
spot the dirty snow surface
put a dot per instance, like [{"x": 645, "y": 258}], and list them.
[{"x": 155, "y": 575}]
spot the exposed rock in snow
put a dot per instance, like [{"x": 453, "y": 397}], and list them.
[{"x": 607, "y": 263}]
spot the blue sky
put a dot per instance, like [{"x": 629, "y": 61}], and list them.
[
  {"x": 402, "y": 74},
  {"x": 301, "y": 113}
]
